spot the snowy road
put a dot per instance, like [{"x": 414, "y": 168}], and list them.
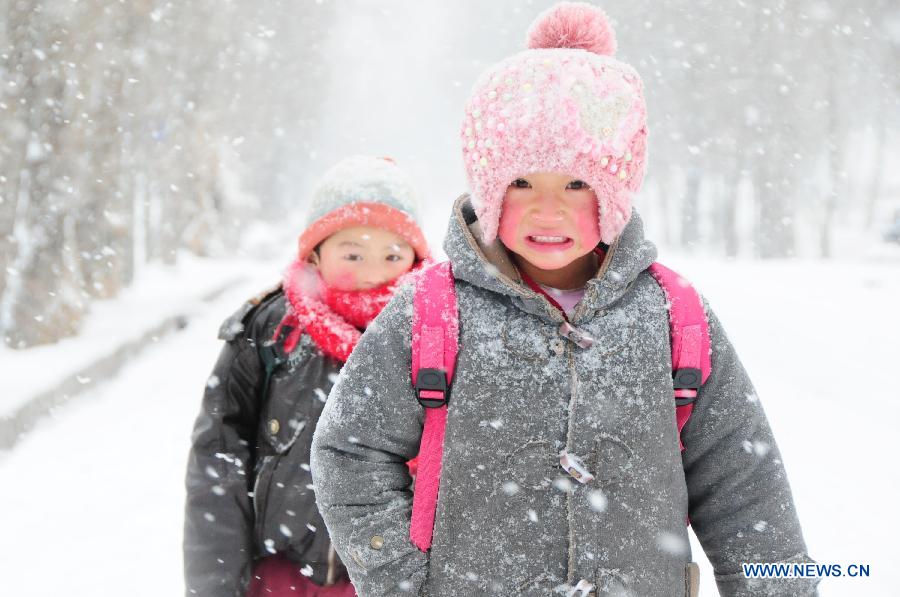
[
  {"x": 98, "y": 500},
  {"x": 92, "y": 499}
]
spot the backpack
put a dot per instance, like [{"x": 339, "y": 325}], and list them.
[{"x": 435, "y": 343}]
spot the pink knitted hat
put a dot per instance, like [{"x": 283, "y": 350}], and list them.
[{"x": 564, "y": 105}]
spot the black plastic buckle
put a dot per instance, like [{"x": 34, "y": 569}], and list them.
[
  {"x": 433, "y": 380},
  {"x": 688, "y": 378},
  {"x": 271, "y": 357}
]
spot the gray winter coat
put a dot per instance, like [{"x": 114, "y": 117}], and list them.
[{"x": 510, "y": 520}]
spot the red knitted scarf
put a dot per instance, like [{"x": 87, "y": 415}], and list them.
[{"x": 334, "y": 319}]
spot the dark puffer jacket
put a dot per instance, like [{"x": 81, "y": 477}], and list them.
[{"x": 249, "y": 490}]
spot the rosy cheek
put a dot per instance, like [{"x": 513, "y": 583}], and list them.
[
  {"x": 587, "y": 225},
  {"x": 342, "y": 279},
  {"x": 510, "y": 218}
]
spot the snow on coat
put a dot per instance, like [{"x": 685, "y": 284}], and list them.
[
  {"x": 249, "y": 490},
  {"x": 509, "y": 520}
]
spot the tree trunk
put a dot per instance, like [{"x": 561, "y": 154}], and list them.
[{"x": 41, "y": 302}]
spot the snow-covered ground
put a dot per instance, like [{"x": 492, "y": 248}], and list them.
[
  {"x": 155, "y": 295},
  {"x": 821, "y": 341},
  {"x": 92, "y": 500}
]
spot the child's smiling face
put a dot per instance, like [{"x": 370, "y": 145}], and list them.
[
  {"x": 549, "y": 219},
  {"x": 362, "y": 257}
]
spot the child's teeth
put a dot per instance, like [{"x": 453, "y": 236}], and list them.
[{"x": 549, "y": 239}]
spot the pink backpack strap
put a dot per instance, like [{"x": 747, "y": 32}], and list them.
[
  {"x": 435, "y": 331},
  {"x": 689, "y": 332}
]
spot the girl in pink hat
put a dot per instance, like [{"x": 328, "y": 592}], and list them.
[
  {"x": 251, "y": 526},
  {"x": 578, "y": 368}
]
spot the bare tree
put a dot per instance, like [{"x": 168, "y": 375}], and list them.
[{"x": 41, "y": 301}]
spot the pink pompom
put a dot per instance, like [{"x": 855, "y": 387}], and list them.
[{"x": 576, "y": 25}]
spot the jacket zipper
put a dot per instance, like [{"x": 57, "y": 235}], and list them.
[
  {"x": 332, "y": 565},
  {"x": 258, "y": 508}
]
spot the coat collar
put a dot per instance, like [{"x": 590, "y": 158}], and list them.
[{"x": 491, "y": 267}]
